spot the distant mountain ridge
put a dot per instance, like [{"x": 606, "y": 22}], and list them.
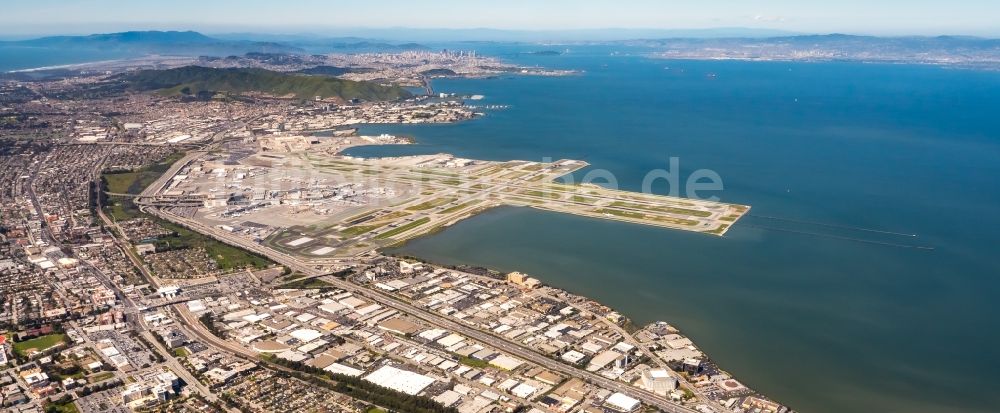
[
  {"x": 158, "y": 42},
  {"x": 845, "y": 39},
  {"x": 959, "y": 51},
  {"x": 409, "y": 34},
  {"x": 127, "y": 37},
  {"x": 194, "y": 80},
  {"x": 944, "y": 40},
  {"x": 195, "y": 43}
]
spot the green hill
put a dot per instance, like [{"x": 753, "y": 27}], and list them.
[{"x": 192, "y": 80}]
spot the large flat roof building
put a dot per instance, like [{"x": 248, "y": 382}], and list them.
[
  {"x": 621, "y": 403},
  {"x": 658, "y": 381},
  {"x": 400, "y": 380}
]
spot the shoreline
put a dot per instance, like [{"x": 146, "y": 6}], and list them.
[
  {"x": 66, "y": 66},
  {"x": 626, "y": 322}
]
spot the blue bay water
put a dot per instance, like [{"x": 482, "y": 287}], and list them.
[{"x": 798, "y": 308}]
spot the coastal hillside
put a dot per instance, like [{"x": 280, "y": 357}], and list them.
[{"x": 193, "y": 80}]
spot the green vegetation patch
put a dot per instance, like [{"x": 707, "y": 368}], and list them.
[
  {"x": 620, "y": 213},
  {"x": 489, "y": 170},
  {"x": 666, "y": 209},
  {"x": 362, "y": 390},
  {"x": 672, "y": 220},
  {"x": 403, "y": 228},
  {"x": 39, "y": 343},
  {"x": 582, "y": 199},
  {"x": 417, "y": 178},
  {"x": 360, "y": 229},
  {"x": 122, "y": 210},
  {"x": 360, "y": 216},
  {"x": 228, "y": 256},
  {"x": 540, "y": 194},
  {"x": 514, "y": 175},
  {"x": 644, "y": 217},
  {"x": 432, "y": 172},
  {"x": 196, "y": 80},
  {"x": 460, "y": 207},
  {"x": 63, "y": 405},
  {"x": 338, "y": 168},
  {"x": 135, "y": 181},
  {"x": 99, "y": 377},
  {"x": 556, "y": 186},
  {"x": 471, "y": 362},
  {"x": 132, "y": 182},
  {"x": 431, "y": 204},
  {"x": 525, "y": 200},
  {"x": 307, "y": 284},
  {"x": 718, "y": 231},
  {"x": 393, "y": 215}
]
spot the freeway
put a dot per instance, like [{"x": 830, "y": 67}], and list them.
[
  {"x": 503, "y": 344},
  {"x": 195, "y": 327}
]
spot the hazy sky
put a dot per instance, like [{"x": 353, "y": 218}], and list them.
[{"x": 978, "y": 17}]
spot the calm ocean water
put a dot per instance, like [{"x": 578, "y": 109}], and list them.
[
  {"x": 21, "y": 57},
  {"x": 814, "y": 308}
]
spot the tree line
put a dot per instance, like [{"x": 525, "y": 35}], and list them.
[{"x": 367, "y": 391}]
